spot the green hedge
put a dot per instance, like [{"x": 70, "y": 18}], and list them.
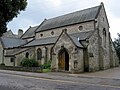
[
  {"x": 26, "y": 62},
  {"x": 2, "y": 64},
  {"x": 47, "y": 65}
]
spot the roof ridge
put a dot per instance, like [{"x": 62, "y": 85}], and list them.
[{"x": 84, "y": 15}]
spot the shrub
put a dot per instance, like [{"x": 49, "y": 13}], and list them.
[
  {"x": 2, "y": 64},
  {"x": 47, "y": 65},
  {"x": 34, "y": 63},
  {"x": 29, "y": 63}
]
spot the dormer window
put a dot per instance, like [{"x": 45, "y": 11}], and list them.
[{"x": 80, "y": 28}]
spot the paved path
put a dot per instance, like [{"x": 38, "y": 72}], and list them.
[{"x": 110, "y": 73}]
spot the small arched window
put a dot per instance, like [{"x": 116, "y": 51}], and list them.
[
  {"x": 27, "y": 55},
  {"x": 39, "y": 54}
]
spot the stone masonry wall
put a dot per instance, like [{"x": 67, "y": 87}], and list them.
[
  {"x": 75, "y": 54},
  {"x": 1, "y": 52},
  {"x": 93, "y": 52},
  {"x": 45, "y": 58},
  {"x": 103, "y": 25},
  {"x": 22, "y": 55},
  {"x": 70, "y": 29}
]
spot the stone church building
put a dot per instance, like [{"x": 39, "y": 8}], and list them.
[{"x": 78, "y": 41}]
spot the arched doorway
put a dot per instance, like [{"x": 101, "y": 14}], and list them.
[{"x": 63, "y": 60}]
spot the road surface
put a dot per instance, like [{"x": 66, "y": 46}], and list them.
[{"x": 18, "y": 82}]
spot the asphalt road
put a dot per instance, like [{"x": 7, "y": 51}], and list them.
[{"x": 17, "y": 82}]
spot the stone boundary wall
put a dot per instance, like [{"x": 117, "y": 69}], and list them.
[{"x": 26, "y": 69}]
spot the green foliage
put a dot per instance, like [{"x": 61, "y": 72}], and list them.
[
  {"x": 46, "y": 70},
  {"x": 29, "y": 63},
  {"x": 47, "y": 65},
  {"x": 117, "y": 45},
  {"x": 2, "y": 64},
  {"x": 8, "y": 10}
]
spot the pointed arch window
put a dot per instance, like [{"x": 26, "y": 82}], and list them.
[
  {"x": 39, "y": 54},
  {"x": 27, "y": 55},
  {"x": 104, "y": 37},
  {"x": 51, "y": 52}
]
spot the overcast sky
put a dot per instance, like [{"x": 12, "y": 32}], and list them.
[{"x": 38, "y": 10}]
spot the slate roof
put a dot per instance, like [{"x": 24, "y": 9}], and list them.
[
  {"x": 78, "y": 37},
  {"x": 52, "y": 40},
  {"x": 76, "y": 41},
  {"x": 15, "y": 51},
  {"x": 68, "y": 19},
  {"x": 9, "y": 33},
  {"x": 12, "y": 42},
  {"x": 29, "y": 33},
  {"x": 83, "y": 35},
  {"x": 44, "y": 41}
]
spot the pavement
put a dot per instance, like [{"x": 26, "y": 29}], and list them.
[{"x": 113, "y": 73}]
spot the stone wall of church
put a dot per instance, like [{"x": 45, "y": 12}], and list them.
[
  {"x": 93, "y": 52},
  {"x": 104, "y": 41},
  {"x": 75, "y": 54},
  {"x": 22, "y": 55},
  {"x": 8, "y": 62},
  {"x": 104, "y": 35},
  {"x": 46, "y": 53},
  {"x": 1, "y": 52},
  {"x": 70, "y": 29}
]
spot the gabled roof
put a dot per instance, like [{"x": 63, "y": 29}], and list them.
[
  {"x": 44, "y": 41},
  {"x": 29, "y": 33},
  {"x": 12, "y": 42},
  {"x": 69, "y": 19},
  {"x": 15, "y": 51},
  {"x": 9, "y": 33}
]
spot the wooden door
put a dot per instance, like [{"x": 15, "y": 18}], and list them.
[{"x": 61, "y": 63}]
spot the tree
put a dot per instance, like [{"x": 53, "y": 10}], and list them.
[
  {"x": 117, "y": 45},
  {"x": 8, "y": 10}
]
